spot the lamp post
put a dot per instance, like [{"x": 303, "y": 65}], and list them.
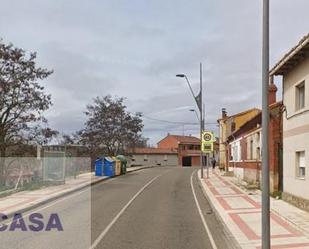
[
  {"x": 199, "y": 101},
  {"x": 193, "y": 110},
  {"x": 265, "y": 131}
]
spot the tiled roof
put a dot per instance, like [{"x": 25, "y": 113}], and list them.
[
  {"x": 152, "y": 151},
  {"x": 186, "y": 139},
  {"x": 257, "y": 118},
  {"x": 241, "y": 113},
  {"x": 292, "y": 58}
]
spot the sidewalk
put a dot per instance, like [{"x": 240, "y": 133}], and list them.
[
  {"x": 240, "y": 212},
  {"x": 27, "y": 200}
]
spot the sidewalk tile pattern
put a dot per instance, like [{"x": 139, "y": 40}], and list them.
[{"x": 241, "y": 213}]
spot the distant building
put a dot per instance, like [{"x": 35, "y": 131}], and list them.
[
  {"x": 187, "y": 147},
  {"x": 294, "y": 69},
  {"x": 171, "y": 150},
  {"x": 228, "y": 125},
  {"x": 152, "y": 157}
]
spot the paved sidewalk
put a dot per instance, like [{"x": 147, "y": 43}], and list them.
[
  {"x": 240, "y": 211},
  {"x": 27, "y": 200}
]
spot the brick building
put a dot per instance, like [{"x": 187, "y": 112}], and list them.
[
  {"x": 228, "y": 125},
  {"x": 187, "y": 147},
  {"x": 245, "y": 146}
]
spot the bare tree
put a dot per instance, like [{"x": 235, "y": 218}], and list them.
[
  {"x": 40, "y": 134},
  {"x": 22, "y": 99},
  {"x": 110, "y": 128},
  {"x": 69, "y": 139}
]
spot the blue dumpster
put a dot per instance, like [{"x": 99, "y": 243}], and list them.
[
  {"x": 109, "y": 166},
  {"x": 99, "y": 167}
]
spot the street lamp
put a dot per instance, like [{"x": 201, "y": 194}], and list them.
[
  {"x": 199, "y": 101},
  {"x": 189, "y": 85},
  {"x": 193, "y": 110}
]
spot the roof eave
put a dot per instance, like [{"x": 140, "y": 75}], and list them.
[{"x": 293, "y": 55}]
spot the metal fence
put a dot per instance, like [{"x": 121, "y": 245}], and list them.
[{"x": 53, "y": 168}]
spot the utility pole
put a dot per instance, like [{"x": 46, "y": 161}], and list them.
[
  {"x": 265, "y": 131},
  {"x": 201, "y": 119},
  {"x": 199, "y": 101}
]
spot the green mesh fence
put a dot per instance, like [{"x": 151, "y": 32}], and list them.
[{"x": 54, "y": 166}]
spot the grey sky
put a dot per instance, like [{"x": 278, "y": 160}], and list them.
[{"x": 134, "y": 48}]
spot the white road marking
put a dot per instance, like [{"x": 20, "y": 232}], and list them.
[
  {"x": 69, "y": 196},
  {"x": 105, "y": 231},
  {"x": 213, "y": 244}
]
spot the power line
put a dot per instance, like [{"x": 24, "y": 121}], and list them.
[
  {"x": 167, "y": 121},
  {"x": 174, "y": 122}
]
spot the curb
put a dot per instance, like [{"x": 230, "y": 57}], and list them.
[
  {"x": 234, "y": 244},
  {"x": 146, "y": 167},
  {"x": 41, "y": 203}
]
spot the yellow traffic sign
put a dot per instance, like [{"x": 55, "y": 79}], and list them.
[
  {"x": 208, "y": 141},
  {"x": 208, "y": 137},
  {"x": 207, "y": 147}
]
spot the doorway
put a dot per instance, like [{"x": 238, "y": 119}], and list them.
[{"x": 186, "y": 161}]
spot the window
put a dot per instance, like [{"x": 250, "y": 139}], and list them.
[
  {"x": 300, "y": 164},
  {"x": 145, "y": 158},
  {"x": 300, "y": 96},
  {"x": 251, "y": 149},
  {"x": 258, "y": 137},
  {"x": 258, "y": 153},
  {"x": 235, "y": 152},
  {"x": 233, "y": 127},
  {"x": 165, "y": 157}
]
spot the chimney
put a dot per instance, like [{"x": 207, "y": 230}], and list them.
[
  {"x": 272, "y": 91},
  {"x": 224, "y": 113}
]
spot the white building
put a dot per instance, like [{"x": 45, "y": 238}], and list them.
[{"x": 294, "y": 68}]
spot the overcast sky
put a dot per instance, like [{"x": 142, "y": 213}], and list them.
[{"x": 134, "y": 48}]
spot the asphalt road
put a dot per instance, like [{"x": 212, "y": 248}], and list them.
[{"x": 148, "y": 209}]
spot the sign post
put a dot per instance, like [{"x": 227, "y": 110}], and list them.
[{"x": 208, "y": 146}]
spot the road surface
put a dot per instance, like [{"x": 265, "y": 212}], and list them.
[{"x": 154, "y": 208}]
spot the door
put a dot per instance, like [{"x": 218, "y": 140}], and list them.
[{"x": 186, "y": 161}]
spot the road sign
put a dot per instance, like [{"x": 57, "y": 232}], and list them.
[
  {"x": 207, "y": 147},
  {"x": 208, "y": 141},
  {"x": 208, "y": 137}
]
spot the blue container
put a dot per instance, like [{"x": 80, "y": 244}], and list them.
[
  {"x": 99, "y": 167},
  {"x": 109, "y": 166}
]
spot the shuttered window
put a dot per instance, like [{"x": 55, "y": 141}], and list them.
[
  {"x": 300, "y": 96},
  {"x": 301, "y": 164}
]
